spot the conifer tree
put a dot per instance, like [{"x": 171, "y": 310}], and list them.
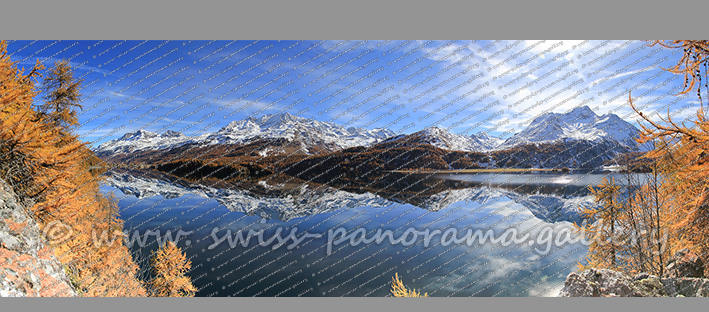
[
  {"x": 48, "y": 166},
  {"x": 684, "y": 148},
  {"x": 601, "y": 226},
  {"x": 398, "y": 289},
  {"x": 61, "y": 95},
  {"x": 170, "y": 266}
]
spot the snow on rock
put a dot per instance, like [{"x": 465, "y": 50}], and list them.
[
  {"x": 144, "y": 140},
  {"x": 581, "y": 123},
  {"x": 441, "y": 138},
  {"x": 308, "y": 132},
  {"x": 486, "y": 142}
]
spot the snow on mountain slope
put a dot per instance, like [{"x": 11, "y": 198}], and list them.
[
  {"x": 442, "y": 138},
  {"x": 487, "y": 142},
  {"x": 307, "y": 132},
  {"x": 144, "y": 140},
  {"x": 581, "y": 123}
]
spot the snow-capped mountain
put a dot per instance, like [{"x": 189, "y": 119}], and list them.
[
  {"x": 441, "y": 138},
  {"x": 581, "y": 123},
  {"x": 144, "y": 140},
  {"x": 487, "y": 142},
  {"x": 308, "y": 133}
]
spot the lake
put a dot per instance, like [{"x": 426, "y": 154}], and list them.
[{"x": 529, "y": 252}]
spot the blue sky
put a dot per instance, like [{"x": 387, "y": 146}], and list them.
[{"x": 465, "y": 86}]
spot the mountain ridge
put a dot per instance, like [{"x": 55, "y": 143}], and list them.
[
  {"x": 307, "y": 132},
  {"x": 580, "y": 123},
  {"x": 577, "y": 138}
]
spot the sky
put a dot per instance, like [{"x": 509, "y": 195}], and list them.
[{"x": 464, "y": 86}]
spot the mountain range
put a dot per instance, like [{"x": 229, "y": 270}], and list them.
[
  {"x": 305, "y": 133},
  {"x": 579, "y": 127},
  {"x": 441, "y": 138},
  {"x": 581, "y": 123}
]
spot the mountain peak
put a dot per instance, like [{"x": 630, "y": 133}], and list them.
[
  {"x": 139, "y": 134},
  {"x": 144, "y": 132},
  {"x": 440, "y": 137},
  {"x": 580, "y": 123},
  {"x": 434, "y": 131},
  {"x": 141, "y": 140},
  {"x": 481, "y": 134},
  {"x": 275, "y": 119},
  {"x": 171, "y": 134},
  {"x": 583, "y": 110},
  {"x": 579, "y": 114},
  {"x": 308, "y": 133}
]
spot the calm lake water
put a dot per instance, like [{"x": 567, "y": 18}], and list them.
[{"x": 538, "y": 205}]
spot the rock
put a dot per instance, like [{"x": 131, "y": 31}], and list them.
[
  {"x": 687, "y": 287},
  {"x": 642, "y": 276},
  {"x": 684, "y": 264},
  {"x": 28, "y": 267},
  {"x": 596, "y": 283},
  {"x": 609, "y": 283}
]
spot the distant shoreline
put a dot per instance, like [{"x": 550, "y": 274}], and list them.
[{"x": 510, "y": 170}]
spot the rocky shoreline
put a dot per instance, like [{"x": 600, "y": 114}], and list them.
[{"x": 682, "y": 278}]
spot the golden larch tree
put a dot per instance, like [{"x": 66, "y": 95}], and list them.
[
  {"x": 170, "y": 267},
  {"x": 398, "y": 289},
  {"x": 46, "y": 164}
]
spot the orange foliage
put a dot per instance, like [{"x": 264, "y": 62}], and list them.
[
  {"x": 170, "y": 266},
  {"x": 47, "y": 164},
  {"x": 398, "y": 289},
  {"x": 682, "y": 151}
]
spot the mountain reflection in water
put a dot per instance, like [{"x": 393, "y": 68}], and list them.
[{"x": 153, "y": 200}]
